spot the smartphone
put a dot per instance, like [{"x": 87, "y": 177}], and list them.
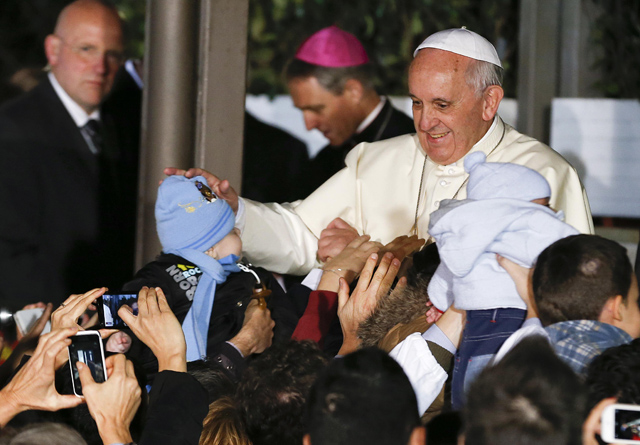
[
  {"x": 27, "y": 318},
  {"x": 621, "y": 424},
  {"x": 86, "y": 347},
  {"x": 108, "y": 306}
]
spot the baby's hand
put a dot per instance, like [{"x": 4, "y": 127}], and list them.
[
  {"x": 120, "y": 342},
  {"x": 433, "y": 314}
]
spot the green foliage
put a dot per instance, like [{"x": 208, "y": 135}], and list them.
[
  {"x": 389, "y": 29},
  {"x": 617, "y": 32},
  {"x": 132, "y": 13}
]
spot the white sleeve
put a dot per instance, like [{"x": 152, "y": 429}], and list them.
[
  {"x": 425, "y": 374},
  {"x": 283, "y": 238},
  {"x": 276, "y": 238}
]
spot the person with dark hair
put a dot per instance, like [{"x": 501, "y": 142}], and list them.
[
  {"x": 273, "y": 391},
  {"x": 530, "y": 397},
  {"x": 586, "y": 295},
  {"x": 330, "y": 79},
  {"x": 363, "y": 398},
  {"x": 614, "y": 373}
]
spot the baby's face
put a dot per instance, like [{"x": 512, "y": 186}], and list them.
[
  {"x": 229, "y": 245},
  {"x": 541, "y": 201}
]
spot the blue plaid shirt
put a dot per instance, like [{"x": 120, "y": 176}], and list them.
[{"x": 578, "y": 342}]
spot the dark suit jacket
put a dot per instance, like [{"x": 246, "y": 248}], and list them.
[
  {"x": 178, "y": 405},
  {"x": 68, "y": 216},
  {"x": 330, "y": 160},
  {"x": 274, "y": 163}
]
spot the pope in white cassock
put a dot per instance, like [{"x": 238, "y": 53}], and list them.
[{"x": 389, "y": 188}]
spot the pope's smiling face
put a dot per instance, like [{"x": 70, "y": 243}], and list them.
[{"x": 449, "y": 116}]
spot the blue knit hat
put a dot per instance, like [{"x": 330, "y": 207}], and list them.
[
  {"x": 488, "y": 180},
  {"x": 190, "y": 216}
]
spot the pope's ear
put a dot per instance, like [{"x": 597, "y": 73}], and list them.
[
  {"x": 492, "y": 96},
  {"x": 52, "y": 45}
]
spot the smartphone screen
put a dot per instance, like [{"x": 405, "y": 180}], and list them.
[
  {"x": 627, "y": 425},
  {"x": 108, "y": 306},
  {"x": 86, "y": 347}
]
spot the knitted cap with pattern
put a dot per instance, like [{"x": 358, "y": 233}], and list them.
[{"x": 189, "y": 215}]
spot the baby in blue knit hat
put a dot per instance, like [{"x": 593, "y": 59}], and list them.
[
  {"x": 198, "y": 268},
  {"x": 506, "y": 212}
]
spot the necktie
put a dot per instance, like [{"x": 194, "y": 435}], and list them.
[{"x": 91, "y": 133}]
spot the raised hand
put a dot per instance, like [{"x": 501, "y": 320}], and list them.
[
  {"x": 33, "y": 387},
  {"x": 334, "y": 238},
  {"x": 348, "y": 263},
  {"x": 158, "y": 328},
  {"x": 114, "y": 403},
  {"x": 354, "y": 309}
]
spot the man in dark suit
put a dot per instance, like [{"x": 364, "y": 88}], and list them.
[
  {"x": 331, "y": 81},
  {"x": 66, "y": 192}
]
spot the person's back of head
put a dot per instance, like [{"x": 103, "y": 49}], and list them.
[
  {"x": 530, "y": 397},
  {"x": 362, "y": 398},
  {"x": 47, "y": 432},
  {"x": 614, "y": 373},
  {"x": 575, "y": 277},
  {"x": 213, "y": 378},
  {"x": 272, "y": 392}
]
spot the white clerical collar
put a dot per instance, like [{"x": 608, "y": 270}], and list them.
[
  {"x": 79, "y": 116},
  {"x": 376, "y": 111},
  {"x": 484, "y": 138}
]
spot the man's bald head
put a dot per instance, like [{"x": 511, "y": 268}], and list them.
[{"x": 85, "y": 51}]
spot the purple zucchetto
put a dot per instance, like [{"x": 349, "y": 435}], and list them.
[{"x": 333, "y": 48}]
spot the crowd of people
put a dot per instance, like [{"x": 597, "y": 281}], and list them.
[{"x": 453, "y": 290}]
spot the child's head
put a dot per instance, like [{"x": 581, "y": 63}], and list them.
[
  {"x": 587, "y": 277},
  {"x": 190, "y": 216},
  {"x": 489, "y": 180}
]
